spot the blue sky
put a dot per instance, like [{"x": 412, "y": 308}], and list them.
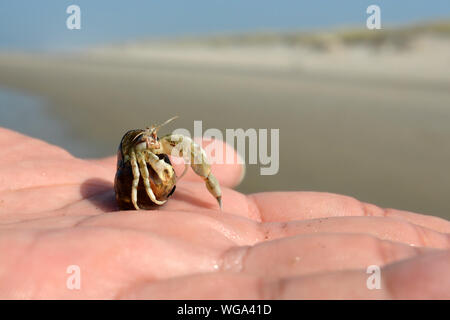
[{"x": 42, "y": 24}]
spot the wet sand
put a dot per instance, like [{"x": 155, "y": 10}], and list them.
[{"x": 384, "y": 140}]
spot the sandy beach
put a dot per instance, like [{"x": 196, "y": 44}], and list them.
[{"x": 368, "y": 123}]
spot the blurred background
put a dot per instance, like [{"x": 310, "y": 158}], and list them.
[{"x": 361, "y": 112}]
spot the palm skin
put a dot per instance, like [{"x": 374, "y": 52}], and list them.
[{"x": 57, "y": 211}]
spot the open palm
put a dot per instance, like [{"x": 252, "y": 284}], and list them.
[{"x": 58, "y": 211}]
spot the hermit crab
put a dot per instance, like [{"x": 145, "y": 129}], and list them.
[{"x": 142, "y": 154}]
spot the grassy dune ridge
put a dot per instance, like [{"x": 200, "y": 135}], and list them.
[
  {"x": 399, "y": 35},
  {"x": 417, "y": 52}
]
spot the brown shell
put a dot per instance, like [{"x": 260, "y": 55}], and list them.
[{"x": 124, "y": 178}]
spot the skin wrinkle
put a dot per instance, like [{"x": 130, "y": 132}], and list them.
[
  {"x": 39, "y": 187},
  {"x": 83, "y": 200},
  {"x": 50, "y": 214},
  {"x": 227, "y": 232},
  {"x": 265, "y": 230},
  {"x": 24, "y": 220},
  {"x": 276, "y": 288},
  {"x": 386, "y": 212},
  {"x": 382, "y": 252},
  {"x": 263, "y": 289},
  {"x": 421, "y": 235},
  {"x": 74, "y": 183},
  {"x": 280, "y": 287},
  {"x": 386, "y": 286},
  {"x": 238, "y": 255},
  {"x": 373, "y": 209},
  {"x": 150, "y": 234},
  {"x": 270, "y": 229},
  {"x": 253, "y": 204},
  {"x": 128, "y": 289},
  {"x": 393, "y": 214},
  {"x": 222, "y": 229},
  {"x": 409, "y": 217},
  {"x": 10, "y": 225},
  {"x": 75, "y": 201},
  {"x": 366, "y": 212},
  {"x": 92, "y": 196},
  {"x": 388, "y": 253},
  {"x": 87, "y": 218}
]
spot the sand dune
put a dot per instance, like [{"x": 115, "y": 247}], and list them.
[{"x": 425, "y": 58}]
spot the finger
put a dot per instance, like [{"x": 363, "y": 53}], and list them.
[
  {"x": 383, "y": 228},
  {"x": 308, "y": 254},
  {"x": 287, "y": 206},
  {"x": 422, "y": 277},
  {"x": 425, "y": 277}
]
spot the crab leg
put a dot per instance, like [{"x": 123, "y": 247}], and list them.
[
  {"x": 162, "y": 169},
  {"x": 198, "y": 160},
  {"x": 145, "y": 178},
  {"x": 136, "y": 175}
]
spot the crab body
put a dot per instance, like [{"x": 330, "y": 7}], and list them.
[
  {"x": 124, "y": 178},
  {"x": 145, "y": 176}
]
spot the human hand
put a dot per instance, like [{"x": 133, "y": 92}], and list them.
[{"x": 57, "y": 211}]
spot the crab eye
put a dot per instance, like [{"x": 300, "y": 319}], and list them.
[{"x": 141, "y": 146}]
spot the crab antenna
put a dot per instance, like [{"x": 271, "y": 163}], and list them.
[
  {"x": 137, "y": 136},
  {"x": 155, "y": 129}
]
